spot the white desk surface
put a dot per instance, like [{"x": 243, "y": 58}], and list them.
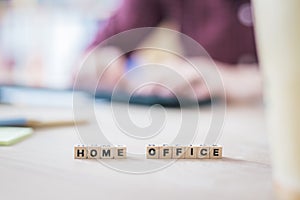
[{"x": 43, "y": 167}]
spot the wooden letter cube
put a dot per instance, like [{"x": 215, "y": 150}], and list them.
[
  {"x": 80, "y": 152},
  {"x": 203, "y": 152},
  {"x": 215, "y": 152},
  {"x": 152, "y": 152},
  {"x": 107, "y": 151},
  {"x": 178, "y": 151},
  {"x": 191, "y": 152},
  {"x": 120, "y": 151},
  {"x": 165, "y": 152},
  {"x": 93, "y": 152}
]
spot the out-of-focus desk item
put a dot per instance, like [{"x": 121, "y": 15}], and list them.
[
  {"x": 43, "y": 166},
  {"x": 34, "y": 123},
  {"x": 277, "y": 28},
  {"x": 12, "y": 135},
  {"x": 170, "y": 102},
  {"x": 53, "y": 97}
]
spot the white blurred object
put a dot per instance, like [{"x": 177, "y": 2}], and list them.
[{"x": 44, "y": 39}]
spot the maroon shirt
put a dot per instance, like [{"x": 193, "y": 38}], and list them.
[{"x": 223, "y": 27}]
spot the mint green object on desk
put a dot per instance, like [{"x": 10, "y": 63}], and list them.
[{"x": 12, "y": 135}]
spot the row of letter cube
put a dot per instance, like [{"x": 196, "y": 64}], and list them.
[
  {"x": 181, "y": 152},
  {"x": 99, "y": 152}
]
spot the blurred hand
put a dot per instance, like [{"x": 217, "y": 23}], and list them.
[
  {"x": 179, "y": 79},
  {"x": 240, "y": 83},
  {"x": 101, "y": 69}
]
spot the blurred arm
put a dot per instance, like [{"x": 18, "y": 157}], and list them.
[{"x": 131, "y": 14}]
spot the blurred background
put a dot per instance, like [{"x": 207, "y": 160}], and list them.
[
  {"x": 42, "y": 44},
  {"x": 41, "y": 40}
]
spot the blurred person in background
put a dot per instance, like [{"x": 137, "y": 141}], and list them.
[{"x": 223, "y": 27}]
